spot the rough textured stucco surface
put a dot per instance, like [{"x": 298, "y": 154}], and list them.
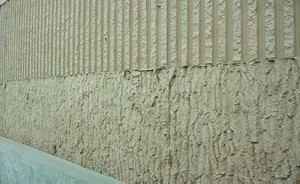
[{"x": 224, "y": 123}]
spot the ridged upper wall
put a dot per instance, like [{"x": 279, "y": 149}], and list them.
[{"x": 48, "y": 38}]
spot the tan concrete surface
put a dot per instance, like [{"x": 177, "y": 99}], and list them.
[
  {"x": 224, "y": 123},
  {"x": 43, "y": 39},
  {"x": 202, "y": 91}
]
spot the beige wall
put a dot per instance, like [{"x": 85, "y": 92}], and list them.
[
  {"x": 206, "y": 125},
  {"x": 42, "y": 39},
  {"x": 137, "y": 114}
]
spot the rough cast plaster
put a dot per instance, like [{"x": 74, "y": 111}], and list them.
[{"x": 224, "y": 123}]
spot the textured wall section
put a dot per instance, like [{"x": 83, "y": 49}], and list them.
[
  {"x": 225, "y": 123},
  {"x": 77, "y": 81},
  {"x": 43, "y": 39}
]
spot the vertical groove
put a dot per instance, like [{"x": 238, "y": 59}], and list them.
[
  {"x": 189, "y": 52},
  {"x": 17, "y": 40},
  {"x": 18, "y": 43},
  {"x": 35, "y": 29},
  {"x": 8, "y": 45},
  {"x": 296, "y": 5},
  {"x": 5, "y": 44},
  {"x": 168, "y": 33},
  {"x": 8, "y": 42},
  {"x": 22, "y": 36},
  {"x": 84, "y": 22},
  {"x": 96, "y": 38},
  {"x": 102, "y": 36},
  {"x": 78, "y": 38},
  {"x": 178, "y": 33},
  {"x": 1, "y": 48},
  {"x": 116, "y": 35},
  {"x": 229, "y": 31},
  {"x": 130, "y": 34},
  {"x": 261, "y": 28},
  {"x": 56, "y": 37},
  {"x": 41, "y": 40},
  {"x": 30, "y": 41},
  {"x": 201, "y": 32},
  {"x": 11, "y": 60},
  {"x": 52, "y": 38},
  {"x": 20, "y": 39},
  {"x": 69, "y": 37},
  {"x": 139, "y": 47},
  {"x": 47, "y": 38},
  {"x": 74, "y": 39},
  {"x": 123, "y": 37},
  {"x": 14, "y": 39},
  {"x": 108, "y": 61},
  {"x": 39, "y": 32},
  {"x": 245, "y": 32},
  {"x": 27, "y": 39},
  {"x": 148, "y": 29},
  {"x": 279, "y": 48},
  {"x": 36, "y": 35},
  {"x": 64, "y": 40},
  {"x": 54, "y": 25},
  {"x": 158, "y": 33},
  {"x": 23, "y": 39},
  {"x": 215, "y": 33},
  {"x": 90, "y": 37},
  {"x": 60, "y": 18}
]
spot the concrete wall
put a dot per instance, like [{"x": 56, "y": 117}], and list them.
[
  {"x": 43, "y": 39},
  {"x": 226, "y": 123},
  {"x": 190, "y": 98}
]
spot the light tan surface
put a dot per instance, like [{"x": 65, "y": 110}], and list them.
[
  {"x": 43, "y": 39},
  {"x": 224, "y": 123},
  {"x": 93, "y": 97}
]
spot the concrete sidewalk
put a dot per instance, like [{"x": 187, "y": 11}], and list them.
[{"x": 20, "y": 164}]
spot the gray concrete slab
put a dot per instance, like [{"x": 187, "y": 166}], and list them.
[
  {"x": 21, "y": 164},
  {"x": 2, "y": 2}
]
